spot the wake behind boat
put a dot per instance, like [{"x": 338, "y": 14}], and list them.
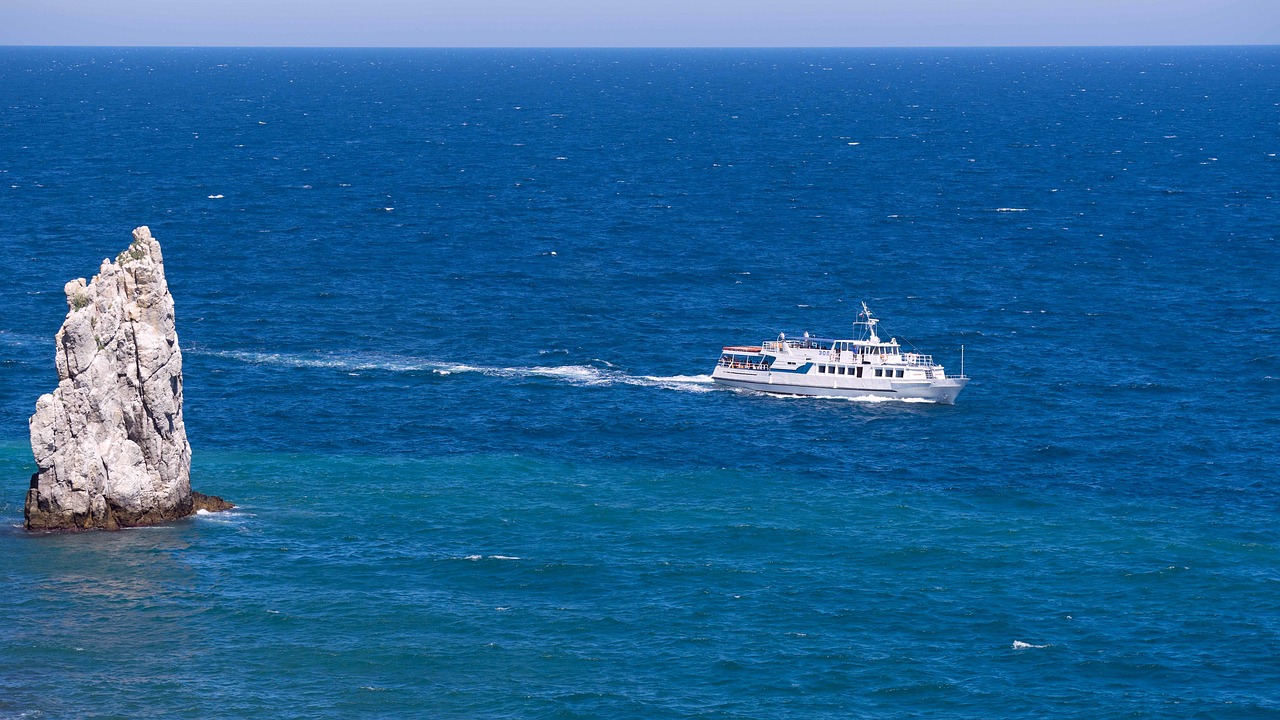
[{"x": 841, "y": 368}]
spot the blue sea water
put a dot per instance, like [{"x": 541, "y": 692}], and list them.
[{"x": 447, "y": 320}]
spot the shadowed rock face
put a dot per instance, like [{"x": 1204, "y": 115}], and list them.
[{"x": 109, "y": 442}]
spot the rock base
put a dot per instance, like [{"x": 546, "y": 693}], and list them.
[
  {"x": 110, "y": 516},
  {"x": 208, "y": 503}
]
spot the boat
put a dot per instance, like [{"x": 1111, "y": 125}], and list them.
[{"x": 861, "y": 367}]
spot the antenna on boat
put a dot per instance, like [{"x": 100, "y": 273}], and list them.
[
  {"x": 962, "y": 361},
  {"x": 870, "y": 323}
]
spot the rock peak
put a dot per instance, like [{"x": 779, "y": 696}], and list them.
[{"x": 110, "y": 442}]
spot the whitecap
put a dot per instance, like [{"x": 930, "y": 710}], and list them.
[
  {"x": 575, "y": 374},
  {"x": 1010, "y": 209},
  {"x": 222, "y": 517},
  {"x": 862, "y": 398},
  {"x": 699, "y": 379},
  {"x": 503, "y": 557},
  {"x": 216, "y": 197},
  {"x": 686, "y": 383},
  {"x": 1019, "y": 645}
]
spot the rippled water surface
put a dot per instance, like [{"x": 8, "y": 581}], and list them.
[{"x": 448, "y": 319}]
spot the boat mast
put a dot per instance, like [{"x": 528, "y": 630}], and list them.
[{"x": 870, "y": 323}]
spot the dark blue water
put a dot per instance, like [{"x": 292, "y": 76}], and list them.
[{"x": 447, "y": 319}]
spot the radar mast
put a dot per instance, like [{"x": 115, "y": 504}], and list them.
[{"x": 870, "y": 322}]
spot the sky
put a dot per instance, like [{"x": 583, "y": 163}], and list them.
[{"x": 638, "y": 23}]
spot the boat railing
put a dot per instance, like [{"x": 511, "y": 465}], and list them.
[
  {"x": 822, "y": 346},
  {"x": 743, "y": 364},
  {"x": 918, "y": 359}
]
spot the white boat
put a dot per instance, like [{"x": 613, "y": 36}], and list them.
[{"x": 867, "y": 366}]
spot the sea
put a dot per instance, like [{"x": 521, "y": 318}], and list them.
[{"x": 448, "y": 319}]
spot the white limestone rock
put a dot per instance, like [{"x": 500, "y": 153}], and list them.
[{"x": 109, "y": 442}]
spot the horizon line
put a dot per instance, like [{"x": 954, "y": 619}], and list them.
[{"x": 645, "y": 47}]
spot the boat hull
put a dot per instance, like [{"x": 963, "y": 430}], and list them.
[{"x": 940, "y": 391}]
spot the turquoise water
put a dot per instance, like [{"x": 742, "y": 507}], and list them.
[
  {"x": 446, "y": 335},
  {"x": 498, "y": 585}
]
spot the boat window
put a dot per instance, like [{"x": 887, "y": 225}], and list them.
[
  {"x": 899, "y": 372},
  {"x": 841, "y": 370},
  {"x": 859, "y": 371},
  {"x": 822, "y": 368},
  {"x": 879, "y": 372}
]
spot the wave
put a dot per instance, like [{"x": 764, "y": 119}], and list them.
[
  {"x": 579, "y": 375},
  {"x": 337, "y": 362},
  {"x": 586, "y": 376},
  {"x": 13, "y": 339},
  {"x": 223, "y": 517},
  {"x": 1019, "y": 645}
]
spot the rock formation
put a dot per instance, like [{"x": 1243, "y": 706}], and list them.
[{"x": 109, "y": 442}]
